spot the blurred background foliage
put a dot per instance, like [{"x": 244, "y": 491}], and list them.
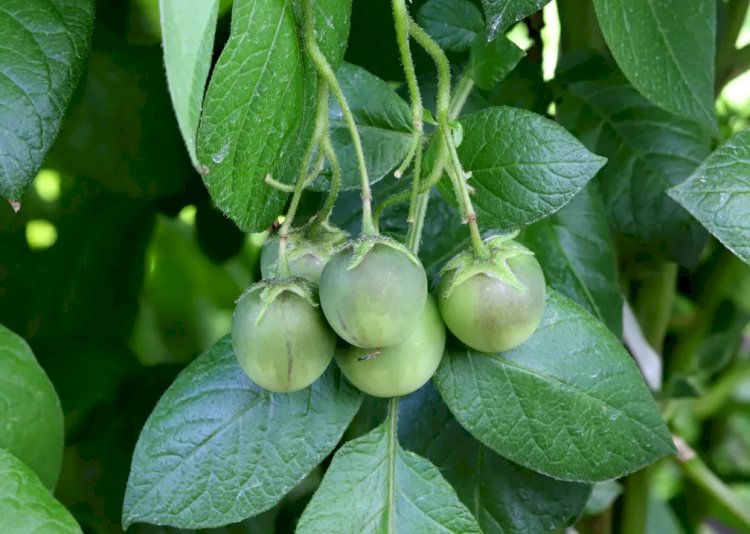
[{"x": 118, "y": 270}]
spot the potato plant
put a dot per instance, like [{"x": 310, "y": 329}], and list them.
[{"x": 343, "y": 266}]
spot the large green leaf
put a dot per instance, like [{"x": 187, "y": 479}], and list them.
[
  {"x": 46, "y": 42},
  {"x": 26, "y": 506},
  {"x": 454, "y": 24},
  {"x": 569, "y": 403},
  {"x": 491, "y": 62},
  {"x": 576, "y": 252},
  {"x": 373, "y": 485},
  {"x": 253, "y": 111},
  {"x": 677, "y": 72},
  {"x": 524, "y": 167},
  {"x": 30, "y": 410},
  {"x": 504, "y": 497},
  {"x": 218, "y": 449},
  {"x": 500, "y": 14},
  {"x": 718, "y": 194},
  {"x": 649, "y": 151},
  {"x": 383, "y": 120},
  {"x": 188, "y": 28}
]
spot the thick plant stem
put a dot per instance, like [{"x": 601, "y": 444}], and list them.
[
  {"x": 329, "y": 77},
  {"x": 697, "y": 471},
  {"x": 653, "y": 307},
  {"x": 321, "y": 114},
  {"x": 414, "y": 236},
  {"x": 457, "y": 176}
]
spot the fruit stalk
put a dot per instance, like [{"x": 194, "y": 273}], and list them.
[{"x": 329, "y": 77}]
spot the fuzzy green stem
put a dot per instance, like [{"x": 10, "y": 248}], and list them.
[
  {"x": 392, "y": 438},
  {"x": 321, "y": 113},
  {"x": 458, "y": 177},
  {"x": 414, "y": 236},
  {"x": 330, "y": 153},
  {"x": 461, "y": 94},
  {"x": 329, "y": 77},
  {"x": 697, "y": 471}
]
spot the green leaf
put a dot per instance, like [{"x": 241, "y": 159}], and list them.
[
  {"x": 46, "y": 42},
  {"x": 26, "y": 506},
  {"x": 218, "y": 449},
  {"x": 383, "y": 120},
  {"x": 30, "y": 411},
  {"x": 492, "y": 61},
  {"x": 188, "y": 28},
  {"x": 578, "y": 258},
  {"x": 454, "y": 24},
  {"x": 503, "y": 496},
  {"x": 332, "y": 24},
  {"x": 373, "y": 485},
  {"x": 569, "y": 403},
  {"x": 252, "y": 112},
  {"x": 524, "y": 167},
  {"x": 677, "y": 72},
  {"x": 501, "y": 14},
  {"x": 649, "y": 151},
  {"x": 718, "y": 194}
]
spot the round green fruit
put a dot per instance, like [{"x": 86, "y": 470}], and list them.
[
  {"x": 495, "y": 305},
  {"x": 372, "y": 292},
  {"x": 308, "y": 250},
  {"x": 280, "y": 337},
  {"x": 400, "y": 369}
]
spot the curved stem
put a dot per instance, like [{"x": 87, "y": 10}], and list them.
[
  {"x": 458, "y": 177},
  {"x": 330, "y": 153},
  {"x": 329, "y": 77}
]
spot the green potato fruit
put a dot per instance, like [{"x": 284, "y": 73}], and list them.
[
  {"x": 400, "y": 369},
  {"x": 280, "y": 336},
  {"x": 372, "y": 292},
  {"x": 494, "y": 306}
]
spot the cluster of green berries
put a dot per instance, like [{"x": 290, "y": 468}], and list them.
[{"x": 365, "y": 303}]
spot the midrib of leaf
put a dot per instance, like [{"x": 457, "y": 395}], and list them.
[
  {"x": 392, "y": 451},
  {"x": 505, "y": 363},
  {"x": 664, "y": 39},
  {"x": 200, "y": 445}
]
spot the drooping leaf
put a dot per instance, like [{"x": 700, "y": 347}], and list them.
[
  {"x": 492, "y": 61},
  {"x": 503, "y": 496},
  {"x": 218, "y": 449},
  {"x": 649, "y": 151},
  {"x": 454, "y": 24},
  {"x": 524, "y": 167},
  {"x": 188, "y": 29},
  {"x": 578, "y": 257},
  {"x": 569, "y": 403},
  {"x": 46, "y": 42},
  {"x": 32, "y": 420},
  {"x": 383, "y": 120},
  {"x": 26, "y": 506},
  {"x": 500, "y": 14},
  {"x": 718, "y": 194},
  {"x": 253, "y": 109},
  {"x": 677, "y": 73},
  {"x": 373, "y": 485}
]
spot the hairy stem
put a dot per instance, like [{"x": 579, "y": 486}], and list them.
[{"x": 329, "y": 77}]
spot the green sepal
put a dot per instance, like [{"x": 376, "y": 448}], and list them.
[
  {"x": 272, "y": 288},
  {"x": 365, "y": 243},
  {"x": 467, "y": 264},
  {"x": 315, "y": 237}
]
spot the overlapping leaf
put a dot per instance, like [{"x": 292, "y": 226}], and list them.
[
  {"x": 718, "y": 194},
  {"x": 569, "y": 403},
  {"x": 218, "y": 449},
  {"x": 373, "y": 485},
  {"x": 677, "y": 71},
  {"x": 30, "y": 411},
  {"x": 524, "y": 167},
  {"x": 46, "y": 42},
  {"x": 578, "y": 257},
  {"x": 649, "y": 151},
  {"x": 503, "y": 497},
  {"x": 500, "y": 14},
  {"x": 26, "y": 506}
]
